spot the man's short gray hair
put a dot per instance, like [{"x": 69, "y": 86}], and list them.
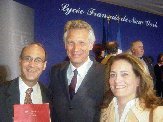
[{"x": 79, "y": 24}]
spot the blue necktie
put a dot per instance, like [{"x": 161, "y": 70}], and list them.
[{"x": 73, "y": 84}]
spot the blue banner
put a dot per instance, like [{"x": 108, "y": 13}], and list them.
[{"x": 125, "y": 25}]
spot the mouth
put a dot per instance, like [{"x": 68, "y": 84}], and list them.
[
  {"x": 120, "y": 86},
  {"x": 142, "y": 51},
  {"x": 31, "y": 70},
  {"x": 76, "y": 55}
]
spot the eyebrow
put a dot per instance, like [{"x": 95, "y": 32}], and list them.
[
  {"x": 34, "y": 58},
  {"x": 120, "y": 71}
]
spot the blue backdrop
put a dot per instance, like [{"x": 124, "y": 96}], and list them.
[{"x": 125, "y": 25}]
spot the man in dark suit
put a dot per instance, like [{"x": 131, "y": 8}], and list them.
[
  {"x": 32, "y": 62},
  {"x": 79, "y": 102},
  {"x": 137, "y": 49},
  {"x": 158, "y": 68}
]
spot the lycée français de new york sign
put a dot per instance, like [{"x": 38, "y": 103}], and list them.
[{"x": 67, "y": 9}]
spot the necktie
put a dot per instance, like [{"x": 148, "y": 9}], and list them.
[
  {"x": 28, "y": 99},
  {"x": 73, "y": 84}
]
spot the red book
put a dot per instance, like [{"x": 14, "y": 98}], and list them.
[{"x": 31, "y": 113}]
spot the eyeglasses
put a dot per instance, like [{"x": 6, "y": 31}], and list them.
[{"x": 30, "y": 59}]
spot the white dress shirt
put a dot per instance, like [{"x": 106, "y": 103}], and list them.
[
  {"x": 128, "y": 106},
  {"x": 82, "y": 71},
  {"x": 35, "y": 95}
]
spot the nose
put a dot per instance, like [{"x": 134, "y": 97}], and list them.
[
  {"x": 117, "y": 78},
  {"x": 76, "y": 47},
  {"x": 31, "y": 63}
]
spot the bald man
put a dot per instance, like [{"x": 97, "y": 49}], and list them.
[
  {"x": 137, "y": 49},
  {"x": 32, "y": 62}
]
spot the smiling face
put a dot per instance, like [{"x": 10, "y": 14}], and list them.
[
  {"x": 78, "y": 46},
  {"x": 123, "y": 81},
  {"x": 32, "y": 63}
]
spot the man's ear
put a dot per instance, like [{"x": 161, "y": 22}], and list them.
[
  {"x": 65, "y": 45},
  {"x": 44, "y": 65},
  {"x": 91, "y": 45},
  {"x": 20, "y": 60},
  {"x": 132, "y": 50}
]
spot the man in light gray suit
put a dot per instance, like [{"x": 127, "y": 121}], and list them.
[{"x": 77, "y": 101}]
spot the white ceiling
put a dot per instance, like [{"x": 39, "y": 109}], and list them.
[{"x": 151, "y": 6}]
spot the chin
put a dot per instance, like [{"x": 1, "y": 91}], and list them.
[
  {"x": 76, "y": 61},
  {"x": 31, "y": 80}
]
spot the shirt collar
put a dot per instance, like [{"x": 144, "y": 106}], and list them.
[
  {"x": 82, "y": 69},
  {"x": 24, "y": 87},
  {"x": 128, "y": 106}
]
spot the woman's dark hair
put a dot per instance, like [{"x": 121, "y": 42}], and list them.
[
  {"x": 97, "y": 49},
  {"x": 112, "y": 47},
  {"x": 159, "y": 57}
]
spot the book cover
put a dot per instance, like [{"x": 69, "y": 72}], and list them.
[{"x": 31, "y": 113}]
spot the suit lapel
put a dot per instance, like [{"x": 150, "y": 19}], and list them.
[
  {"x": 12, "y": 96},
  {"x": 44, "y": 94},
  {"x": 63, "y": 77},
  {"x": 87, "y": 79}
]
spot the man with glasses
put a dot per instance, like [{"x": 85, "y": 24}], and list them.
[{"x": 25, "y": 89}]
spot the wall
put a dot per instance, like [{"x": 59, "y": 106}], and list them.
[{"x": 16, "y": 30}]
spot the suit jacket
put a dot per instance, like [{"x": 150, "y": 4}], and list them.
[
  {"x": 84, "y": 107},
  {"x": 135, "y": 114},
  {"x": 159, "y": 72},
  {"x": 159, "y": 79},
  {"x": 150, "y": 67},
  {"x": 10, "y": 95}
]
